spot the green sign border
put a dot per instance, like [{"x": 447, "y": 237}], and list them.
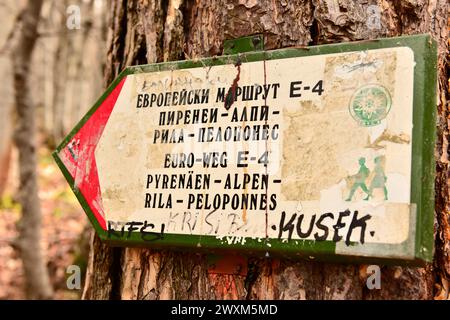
[{"x": 414, "y": 252}]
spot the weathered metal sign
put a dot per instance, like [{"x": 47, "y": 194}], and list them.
[{"x": 319, "y": 152}]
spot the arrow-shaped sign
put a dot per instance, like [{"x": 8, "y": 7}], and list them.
[{"x": 317, "y": 153}]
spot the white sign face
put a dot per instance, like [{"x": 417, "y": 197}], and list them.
[{"x": 308, "y": 148}]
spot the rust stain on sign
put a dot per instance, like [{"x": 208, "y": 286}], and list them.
[{"x": 230, "y": 97}]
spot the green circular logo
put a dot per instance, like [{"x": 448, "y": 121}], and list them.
[{"x": 370, "y": 104}]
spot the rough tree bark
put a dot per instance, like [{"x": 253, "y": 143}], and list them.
[
  {"x": 28, "y": 242},
  {"x": 146, "y": 31}
]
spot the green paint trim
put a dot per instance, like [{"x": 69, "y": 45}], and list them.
[
  {"x": 423, "y": 164},
  {"x": 244, "y": 44}
]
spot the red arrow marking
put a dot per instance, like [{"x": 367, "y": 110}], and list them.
[{"x": 79, "y": 155}]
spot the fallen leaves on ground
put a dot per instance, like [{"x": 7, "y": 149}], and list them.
[{"x": 63, "y": 224}]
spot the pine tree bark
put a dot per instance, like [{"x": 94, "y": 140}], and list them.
[
  {"x": 147, "y": 31},
  {"x": 29, "y": 239}
]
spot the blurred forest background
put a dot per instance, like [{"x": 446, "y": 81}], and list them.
[{"x": 66, "y": 77}]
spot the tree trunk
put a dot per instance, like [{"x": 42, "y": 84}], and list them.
[
  {"x": 29, "y": 240},
  {"x": 80, "y": 69},
  {"x": 61, "y": 80},
  {"x": 7, "y": 17},
  {"x": 147, "y": 31}
]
